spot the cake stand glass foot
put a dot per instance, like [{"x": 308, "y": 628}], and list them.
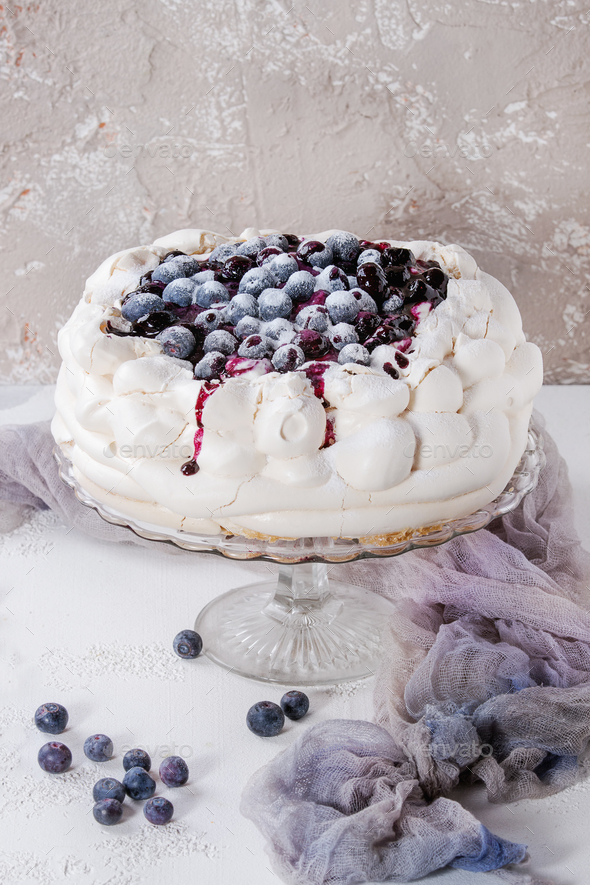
[{"x": 302, "y": 629}]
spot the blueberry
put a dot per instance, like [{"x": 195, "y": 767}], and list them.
[
  {"x": 354, "y": 353},
  {"x": 187, "y": 644},
  {"x": 394, "y": 303},
  {"x": 108, "y": 788},
  {"x": 268, "y": 254},
  {"x": 203, "y": 276},
  {"x": 342, "y": 334},
  {"x": 331, "y": 279},
  {"x": 391, "y": 371},
  {"x": 177, "y": 341},
  {"x": 295, "y": 704},
  {"x": 352, "y": 282},
  {"x": 137, "y": 759},
  {"x": 236, "y": 266},
  {"x": 51, "y": 718},
  {"x": 247, "y": 326},
  {"x": 221, "y": 253},
  {"x": 315, "y": 316},
  {"x": 344, "y": 245},
  {"x": 366, "y": 323},
  {"x": 283, "y": 266},
  {"x": 265, "y": 719},
  {"x": 154, "y": 323},
  {"x": 54, "y": 757},
  {"x": 342, "y": 307},
  {"x": 372, "y": 255},
  {"x": 315, "y": 253},
  {"x": 180, "y": 292},
  {"x": 242, "y": 305},
  {"x": 364, "y": 300},
  {"x": 397, "y": 275},
  {"x": 396, "y": 256},
  {"x": 108, "y": 812},
  {"x": 274, "y": 303},
  {"x": 209, "y": 293},
  {"x": 255, "y": 347},
  {"x": 436, "y": 278},
  {"x": 174, "y": 771},
  {"x": 139, "y": 784},
  {"x": 173, "y": 270},
  {"x": 311, "y": 343},
  {"x": 221, "y": 342},
  {"x": 279, "y": 330},
  {"x": 208, "y": 320},
  {"x": 169, "y": 255},
  {"x": 371, "y": 278},
  {"x": 98, "y": 747},
  {"x": 287, "y": 358},
  {"x": 139, "y": 305},
  {"x": 293, "y": 240},
  {"x": 279, "y": 241},
  {"x": 256, "y": 281},
  {"x": 300, "y": 285},
  {"x": 252, "y": 247},
  {"x": 158, "y": 810},
  {"x": 416, "y": 291},
  {"x": 211, "y": 366}
]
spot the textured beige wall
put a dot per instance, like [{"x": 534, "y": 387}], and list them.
[{"x": 461, "y": 120}]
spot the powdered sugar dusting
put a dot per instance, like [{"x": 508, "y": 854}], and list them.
[
  {"x": 33, "y": 538},
  {"x": 152, "y": 844},
  {"x": 64, "y": 670}
]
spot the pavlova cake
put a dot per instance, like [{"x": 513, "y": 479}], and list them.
[{"x": 272, "y": 385}]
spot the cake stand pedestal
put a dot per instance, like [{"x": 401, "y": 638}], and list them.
[{"x": 304, "y": 628}]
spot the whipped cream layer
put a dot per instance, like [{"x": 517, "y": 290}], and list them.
[{"x": 435, "y": 444}]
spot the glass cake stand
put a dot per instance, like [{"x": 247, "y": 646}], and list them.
[{"x": 302, "y": 627}]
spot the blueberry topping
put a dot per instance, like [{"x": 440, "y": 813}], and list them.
[
  {"x": 172, "y": 254},
  {"x": 208, "y": 320},
  {"x": 51, "y": 718},
  {"x": 371, "y": 278},
  {"x": 255, "y": 347},
  {"x": 354, "y": 353},
  {"x": 108, "y": 788},
  {"x": 107, "y": 812},
  {"x": 54, "y": 757},
  {"x": 279, "y": 329},
  {"x": 397, "y": 275},
  {"x": 287, "y": 358},
  {"x": 345, "y": 246},
  {"x": 283, "y": 266},
  {"x": 279, "y": 241},
  {"x": 394, "y": 302},
  {"x": 236, "y": 266},
  {"x": 221, "y": 342},
  {"x": 366, "y": 323},
  {"x": 436, "y": 278},
  {"x": 138, "y": 784},
  {"x": 203, "y": 276},
  {"x": 252, "y": 247},
  {"x": 247, "y": 326},
  {"x": 268, "y": 254},
  {"x": 343, "y": 307},
  {"x": 300, "y": 285},
  {"x": 265, "y": 719},
  {"x": 211, "y": 366},
  {"x": 274, "y": 303},
  {"x": 181, "y": 266},
  {"x": 364, "y": 301},
  {"x": 187, "y": 644},
  {"x": 98, "y": 747},
  {"x": 158, "y": 810},
  {"x": 180, "y": 292},
  {"x": 294, "y": 705},
  {"x": 372, "y": 255},
  {"x": 332, "y": 279},
  {"x": 221, "y": 253},
  {"x": 177, "y": 341},
  {"x": 402, "y": 361},
  {"x": 174, "y": 771},
  {"x": 416, "y": 290},
  {"x": 342, "y": 334},
  {"x": 313, "y": 317},
  {"x": 136, "y": 759},
  {"x": 209, "y": 293},
  {"x": 311, "y": 343},
  {"x": 140, "y": 304},
  {"x": 315, "y": 253},
  {"x": 154, "y": 323},
  {"x": 256, "y": 281},
  {"x": 242, "y": 305},
  {"x": 293, "y": 241},
  {"x": 396, "y": 256},
  {"x": 391, "y": 370}
]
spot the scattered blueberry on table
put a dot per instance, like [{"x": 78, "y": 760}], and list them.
[
  {"x": 295, "y": 704},
  {"x": 51, "y": 718},
  {"x": 98, "y": 748},
  {"x": 174, "y": 771},
  {"x": 54, "y": 757},
  {"x": 158, "y": 810},
  {"x": 108, "y": 812},
  {"x": 187, "y": 644},
  {"x": 137, "y": 759},
  {"x": 108, "y": 788},
  {"x": 139, "y": 784},
  {"x": 265, "y": 719}
]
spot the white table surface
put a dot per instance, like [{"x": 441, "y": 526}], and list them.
[{"x": 90, "y": 625}]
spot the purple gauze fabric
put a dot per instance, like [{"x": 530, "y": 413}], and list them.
[{"x": 486, "y": 675}]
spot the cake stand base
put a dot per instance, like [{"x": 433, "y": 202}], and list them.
[{"x": 300, "y": 630}]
